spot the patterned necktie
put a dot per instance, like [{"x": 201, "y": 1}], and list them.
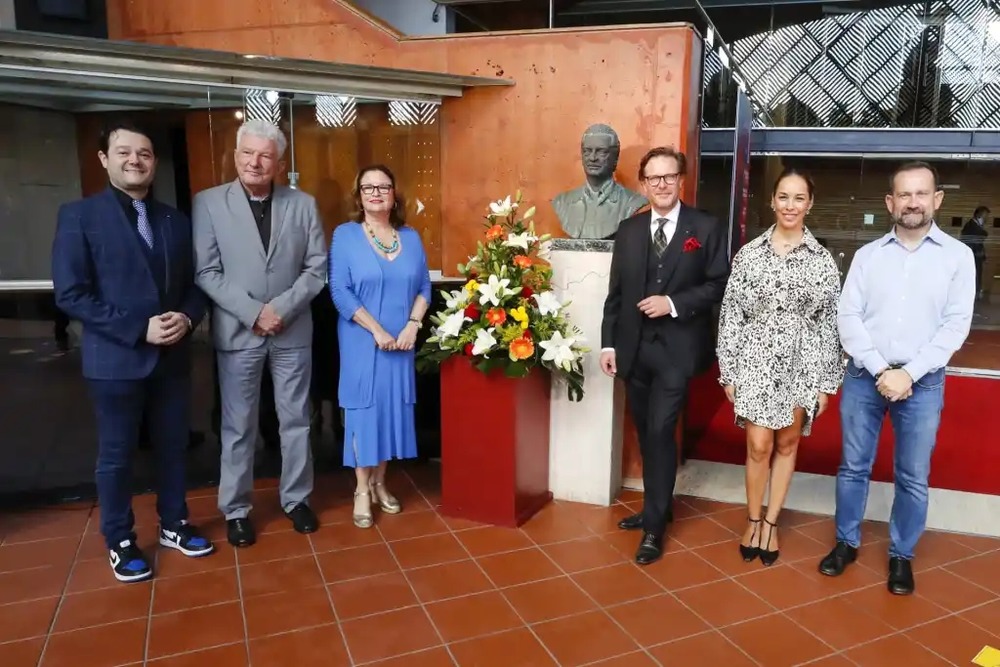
[
  {"x": 145, "y": 230},
  {"x": 660, "y": 238}
]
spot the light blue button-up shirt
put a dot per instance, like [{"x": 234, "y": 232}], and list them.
[{"x": 908, "y": 307}]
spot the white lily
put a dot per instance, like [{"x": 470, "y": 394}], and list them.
[
  {"x": 502, "y": 207},
  {"x": 545, "y": 250},
  {"x": 559, "y": 351},
  {"x": 457, "y": 299},
  {"x": 452, "y": 325},
  {"x": 484, "y": 342},
  {"x": 520, "y": 240},
  {"x": 548, "y": 303},
  {"x": 493, "y": 290}
]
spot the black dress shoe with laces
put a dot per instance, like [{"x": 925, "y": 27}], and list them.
[
  {"x": 900, "y": 577},
  {"x": 303, "y": 519},
  {"x": 240, "y": 532},
  {"x": 837, "y": 560},
  {"x": 650, "y": 549},
  {"x": 634, "y": 521}
]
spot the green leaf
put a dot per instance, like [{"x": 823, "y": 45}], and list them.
[{"x": 517, "y": 369}]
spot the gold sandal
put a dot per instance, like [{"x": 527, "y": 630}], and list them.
[
  {"x": 388, "y": 502},
  {"x": 363, "y": 520}
]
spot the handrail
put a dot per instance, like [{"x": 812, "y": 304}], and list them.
[{"x": 25, "y": 286}]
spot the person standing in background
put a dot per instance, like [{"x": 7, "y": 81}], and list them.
[
  {"x": 122, "y": 266},
  {"x": 261, "y": 258},
  {"x": 974, "y": 235},
  {"x": 906, "y": 308}
]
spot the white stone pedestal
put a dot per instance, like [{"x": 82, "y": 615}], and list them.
[{"x": 585, "y": 438}]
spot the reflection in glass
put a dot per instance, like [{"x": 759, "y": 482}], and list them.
[{"x": 911, "y": 65}]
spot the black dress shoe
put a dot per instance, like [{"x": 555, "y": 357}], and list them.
[
  {"x": 837, "y": 560},
  {"x": 240, "y": 532},
  {"x": 650, "y": 549},
  {"x": 900, "y": 577},
  {"x": 303, "y": 519},
  {"x": 634, "y": 522}
]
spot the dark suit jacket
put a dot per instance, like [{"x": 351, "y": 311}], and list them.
[
  {"x": 102, "y": 277},
  {"x": 974, "y": 236},
  {"x": 695, "y": 282}
]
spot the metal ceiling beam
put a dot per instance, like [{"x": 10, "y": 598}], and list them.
[
  {"x": 897, "y": 143},
  {"x": 660, "y": 6},
  {"x": 50, "y": 55},
  {"x": 14, "y": 92}
]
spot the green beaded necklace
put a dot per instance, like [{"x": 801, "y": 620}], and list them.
[{"x": 378, "y": 243}]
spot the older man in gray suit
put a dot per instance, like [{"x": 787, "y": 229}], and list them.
[{"x": 261, "y": 258}]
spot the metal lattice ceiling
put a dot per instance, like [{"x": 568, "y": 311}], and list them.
[{"x": 921, "y": 65}]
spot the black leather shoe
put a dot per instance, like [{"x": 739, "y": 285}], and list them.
[
  {"x": 650, "y": 549},
  {"x": 837, "y": 560},
  {"x": 240, "y": 532},
  {"x": 900, "y": 577},
  {"x": 634, "y": 522},
  {"x": 303, "y": 519}
]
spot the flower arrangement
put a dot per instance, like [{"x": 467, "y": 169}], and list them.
[{"x": 506, "y": 315}]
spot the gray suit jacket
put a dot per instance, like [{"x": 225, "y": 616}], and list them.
[{"x": 236, "y": 274}]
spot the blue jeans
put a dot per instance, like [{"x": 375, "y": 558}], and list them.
[{"x": 915, "y": 424}]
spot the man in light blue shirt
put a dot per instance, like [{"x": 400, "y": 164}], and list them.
[{"x": 906, "y": 307}]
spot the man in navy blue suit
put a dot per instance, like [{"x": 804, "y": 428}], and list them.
[{"x": 123, "y": 265}]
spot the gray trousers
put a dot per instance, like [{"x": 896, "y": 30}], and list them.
[{"x": 239, "y": 387}]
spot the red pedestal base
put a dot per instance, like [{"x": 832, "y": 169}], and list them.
[{"x": 494, "y": 444}]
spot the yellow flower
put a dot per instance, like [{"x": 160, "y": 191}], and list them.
[
  {"x": 520, "y": 316},
  {"x": 471, "y": 286}
]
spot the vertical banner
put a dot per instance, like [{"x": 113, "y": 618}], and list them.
[{"x": 739, "y": 195}]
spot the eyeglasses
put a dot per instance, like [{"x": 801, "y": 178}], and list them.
[
  {"x": 370, "y": 189},
  {"x": 669, "y": 179}
]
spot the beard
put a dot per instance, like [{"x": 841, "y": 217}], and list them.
[{"x": 909, "y": 220}]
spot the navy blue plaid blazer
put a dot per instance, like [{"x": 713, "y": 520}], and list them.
[{"x": 103, "y": 277}]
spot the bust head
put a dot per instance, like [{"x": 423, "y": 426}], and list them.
[{"x": 599, "y": 151}]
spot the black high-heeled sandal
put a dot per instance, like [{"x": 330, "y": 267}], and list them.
[
  {"x": 768, "y": 557},
  {"x": 750, "y": 552}
]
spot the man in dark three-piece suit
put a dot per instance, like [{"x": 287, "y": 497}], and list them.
[
  {"x": 123, "y": 265},
  {"x": 668, "y": 270}
]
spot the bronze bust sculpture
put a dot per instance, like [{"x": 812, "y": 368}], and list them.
[{"x": 594, "y": 210}]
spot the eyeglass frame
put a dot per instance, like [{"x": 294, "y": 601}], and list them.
[
  {"x": 369, "y": 189},
  {"x": 667, "y": 179}
]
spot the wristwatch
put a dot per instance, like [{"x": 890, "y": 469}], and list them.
[{"x": 420, "y": 325}]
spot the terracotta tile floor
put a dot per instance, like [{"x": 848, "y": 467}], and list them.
[{"x": 426, "y": 590}]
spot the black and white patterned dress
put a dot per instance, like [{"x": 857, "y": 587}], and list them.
[{"x": 778, "y": 341}]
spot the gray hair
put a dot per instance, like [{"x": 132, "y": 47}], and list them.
[
  {"x": 262, "y": 129},
  {"x": 602, "y": 130}
]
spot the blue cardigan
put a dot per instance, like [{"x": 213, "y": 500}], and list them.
[{"x": 355, "y": 276}]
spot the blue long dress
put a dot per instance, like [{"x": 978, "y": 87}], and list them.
[{"x": 377, "y": 389}]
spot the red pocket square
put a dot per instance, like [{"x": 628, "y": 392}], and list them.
[{"x": 691, "y": 244}]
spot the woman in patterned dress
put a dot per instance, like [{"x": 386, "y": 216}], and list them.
[{"x": 779, "y": 351}]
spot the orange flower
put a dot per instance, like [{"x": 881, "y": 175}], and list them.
[
  {"x": 522, "y": 261},
  {"x": 521, "y": 348},
  {"x": 494, "y": 232},
  {"x": 496, "y": 316}
]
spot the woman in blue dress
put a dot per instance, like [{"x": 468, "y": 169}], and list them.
[{"x": 381, "y": 287}]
